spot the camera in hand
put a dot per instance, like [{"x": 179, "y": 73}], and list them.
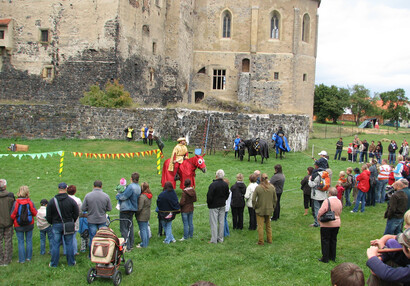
[{"x": 389, "y": 192}]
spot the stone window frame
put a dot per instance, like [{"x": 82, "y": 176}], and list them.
[
  {"x": 2, "y": 34},
  {"x": 276, "y": 75},
  {"x": 151, "y": 75},
  {"x": 42, "y": 30},
  {"x": 154, "y": 48},
  {"x": 48, "y": 72},
  {"x": 219, "y": 76},
  {"x": 278, "y": 32},
  {"x": 306, "y": 28},
  {"x": 226, "y": 24},
  {"x": 305, "y": 77}
]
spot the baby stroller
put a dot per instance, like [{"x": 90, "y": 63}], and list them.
[{"x": 107, "y": 252}]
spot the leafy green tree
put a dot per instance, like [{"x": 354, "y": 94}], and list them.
[
  {"x": 113, "y": 95},
  {"x": 329, "y": 102},
  {"x": 396, "y": 102},
  {"x": 360, "y": 102}
]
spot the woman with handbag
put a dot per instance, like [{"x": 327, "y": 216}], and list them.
[
  {"x": 329, "y": 219},
  {"x": 168, "y": 207}
]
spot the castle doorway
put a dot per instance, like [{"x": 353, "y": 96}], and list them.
[
  {"x": 245, "y": 65},
  {"x": 199, "y": 95}
]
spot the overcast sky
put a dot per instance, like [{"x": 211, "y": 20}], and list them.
[{"x": 364, "y": 42}]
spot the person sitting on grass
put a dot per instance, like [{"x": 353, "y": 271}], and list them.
[{"x": 347, "y": 274}]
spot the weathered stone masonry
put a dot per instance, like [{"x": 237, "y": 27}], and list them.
[{"x": 48, "y": 121}]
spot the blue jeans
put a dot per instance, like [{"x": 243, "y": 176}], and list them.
[
  {"x": 75, "y": 246},
  {"x": 92, "y": 230},
  {"x": 68, "y": 242},
  {"x": 394, "y": 226},
  {"x": 347, "y": 197},
  {"x": 27, "y": 251},
  {"x": 187, "y": 220},
  {"x": 315, "y": 209},
  {"x": 338, "y": 153},
  {"x": 361, "y": 197},
  {"x": 143, "y": 225},
  {"x": 381, "y": 190},
  {"x": 392, "y": 158},
  {"x": 43, "y": 233},
  {"x": 226, "y": 225},
  {"x": 167, "y": 226}
]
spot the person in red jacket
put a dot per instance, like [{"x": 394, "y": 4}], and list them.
[
  {"x": 25, "y": 253},
  {"x": 363, "y": 187}
]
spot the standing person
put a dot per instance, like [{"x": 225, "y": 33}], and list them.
[
  {"x": 188, "y": 198},
  {"x": 278, "y": 181},
  {"x": 339, "y": 148},
  {"x": 382, "y": 180},
  {"x": 24, "y": 224},
  {"x": 6, "y": 224},
  {"x": 128, "y": 207},
  {"x": 405, "y": 150},
  {"x": 150, "y": 135},
  {"x": 392, "y": 152},
  {"x": 238, "y": 202},
  {"x": 69, "y": 213},
  {"x": 372, "y": 149},
  {"x": 318, "y": 196},
  {"x": 371, "y": 194},
  {"x": 248, "y": 196},
  {"x": 264, "y": 200},
  {"x": 168, "y": 206},
  {"x": 129, "y": 133},
  {"x": 179, "y": 154},
  {"x": 306, "y": 190},
  {"x": 363, "y": 153},
  {"x": 44, "y": 227},
  {"x": 330, "y": 229},
  {"x": 399, "y": 168},
  {"x": 235, "y": 145},
  {"x": 379, "y": 152},
  {"x": 218, "y": 193},
  {"x": 227, "y": 208},
  {"x": 396, "y": 209},
  {"x": 97, "y": 204},
  {"x": 363, "y": 187},
  {"x": 143, "y": 214},
  {"x": 71, "y": 190},
  {"x": 143, "y": 134},
  {"x": 348, "y": 185}
]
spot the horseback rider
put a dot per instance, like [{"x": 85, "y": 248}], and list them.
[{"x": 179, "y": 154}]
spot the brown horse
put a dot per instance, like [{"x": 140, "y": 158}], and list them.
[{"x": 186, "y": 171}]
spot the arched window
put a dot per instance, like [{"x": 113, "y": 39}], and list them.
[
  {"x": 306, "y": 28},
  {"x": 245, "y": 65},
  {"x": 226, "y": 24},
  {"x": 275, "y": 25}
]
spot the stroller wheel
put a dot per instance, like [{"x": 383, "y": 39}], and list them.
[
  {"x": 91, "y": 275},
  {"x": 116, "y": 278},
  {"x": 128, "y": 267}
]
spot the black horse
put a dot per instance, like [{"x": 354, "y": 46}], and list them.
[{"x": 257, "y": 146}]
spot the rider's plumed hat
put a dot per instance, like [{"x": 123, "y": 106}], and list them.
[{"x": 181, "y": 139}]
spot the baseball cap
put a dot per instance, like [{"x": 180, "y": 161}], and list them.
[
  {"x": 323, "y": 153},
  {"x": 62, "y": 186},
  {"x": 404, "y": 238}
]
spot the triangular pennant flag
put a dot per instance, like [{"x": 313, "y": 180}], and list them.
[
  {"x": 80, "y": 154},
  {"x": 94, "y": 155},
  {"x": 60, "y": 153},
  {"x": 32, "y": 155},
  {"x": 75, "y": 154},
  {"x": 123, "y": 155},
  {"x": 104, "y": 155},
  {"x": 138, "y": 154},
  {"x": 128, "y": 155},
  {"x": 100, "y": 155},
  {"x": 20, "y": 156},
  {"x": 143, "y": 154},
  {"x": 118, "y": 155},
  {"x": 14, "y": 155},
  {"x": 86, "y": 155}
]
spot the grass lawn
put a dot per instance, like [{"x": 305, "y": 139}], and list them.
[{"x": 290, "y": 260}]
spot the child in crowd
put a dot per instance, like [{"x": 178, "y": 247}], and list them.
[
  {"x": 391, "y": 176},
  {"x": 340, "y": 191},
  {"x": 120, "y": 188},
  {"x": 347, "y": 274},
  {"x": 84, "y": 233},
  {"x": 348, "y": 185},
  {"x": 342, "y": 177},
  {"x": 355, "y": 183},
  {"x": 350, "y": 152},
  {"x": 44, "y": 227}
]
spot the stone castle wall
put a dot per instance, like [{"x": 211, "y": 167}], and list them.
[{"x": 64, "y": 121}]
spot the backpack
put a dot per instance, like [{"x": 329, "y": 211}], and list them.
[
  {"x": 324, "y": 184},
  {"x": 349, "y": 183},
  {"x": 405, "y": 171},
  {"x": 24, "y": 216}
]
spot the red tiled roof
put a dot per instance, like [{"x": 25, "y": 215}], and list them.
[{"x": 4, "y": 22}]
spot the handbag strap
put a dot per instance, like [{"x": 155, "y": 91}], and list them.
[
  {"x": 328, "y": 203},
  {"x": 58, "y": 209}
]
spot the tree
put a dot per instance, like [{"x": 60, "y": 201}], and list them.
[
  {"x": 329, "y": 102},
  {"x": 114, "y": 96},
  {"x": 361, "y": 103},
  {"x": 396, "y": 102}
]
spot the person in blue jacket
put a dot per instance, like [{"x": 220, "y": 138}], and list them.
[{"x": 235, "y": 145}]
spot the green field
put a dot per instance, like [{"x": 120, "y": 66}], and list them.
[{"x": 290, "y": 260}]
